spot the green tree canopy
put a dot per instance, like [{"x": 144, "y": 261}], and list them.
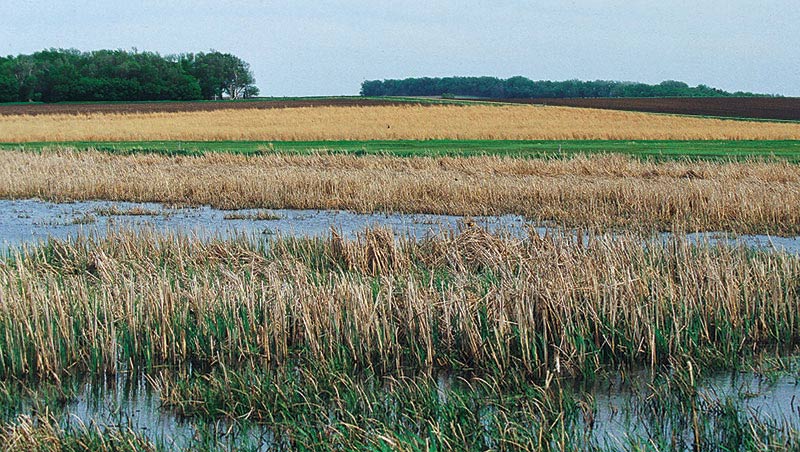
[
  {"x": 9, "y": 87},
  {"x": 221, "y": 74},
  {"x": 57, "y": 75},
  {"x": 522, "y": 87}
]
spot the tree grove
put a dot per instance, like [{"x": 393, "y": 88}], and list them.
[{"x": 58, "y": 75}]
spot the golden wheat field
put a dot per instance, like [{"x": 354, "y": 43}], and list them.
[
  {"x": 602, "y": 191},
  {"x": 517, "y": 122}
]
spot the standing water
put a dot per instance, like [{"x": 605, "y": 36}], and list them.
[{"x": 31, "y": 220}]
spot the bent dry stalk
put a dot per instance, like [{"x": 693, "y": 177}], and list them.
[
  {"x": 467, "y": 300},
  {"x": 45, "y": 434}
]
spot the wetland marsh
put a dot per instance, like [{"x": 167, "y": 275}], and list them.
[
  {"x": 310, "y": 299},
  {"x": 456, "y": 338}
]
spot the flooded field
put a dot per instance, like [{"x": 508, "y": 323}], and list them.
[
  {"x": 644, "y": 407},
  {"x": 486, "y": 282},
  {"x": 617, "y": 413},
  {"x": 31, "y": 220},
  {"x": 131, "y": 403}
]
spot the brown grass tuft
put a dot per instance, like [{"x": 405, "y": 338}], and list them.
[{"x": 598, "y": 191}]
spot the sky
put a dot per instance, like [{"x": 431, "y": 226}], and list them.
[{"x": 303, "y": 48}]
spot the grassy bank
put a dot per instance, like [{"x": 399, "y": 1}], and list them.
[
  {"x": 659, "y": 150},
  {"x": 598, "y": 191}
]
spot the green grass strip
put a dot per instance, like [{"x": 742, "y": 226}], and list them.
[{"x": 658, "y": 150}]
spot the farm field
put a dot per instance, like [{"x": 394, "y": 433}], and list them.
[
  {"x": 770, "y": 108},
  {"x": 595, "y": 320},
  {"x": 82, "y": 108},
  {"x": 407, "y": 122},
  {"x": 652, "y": 150},
  {"x": 762, "y": 108}
]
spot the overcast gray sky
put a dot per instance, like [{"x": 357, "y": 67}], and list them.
[{"x": 304, "y": 47}]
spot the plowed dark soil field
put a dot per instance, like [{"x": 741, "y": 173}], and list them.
[
  {"x": 784, "y": 108},
  {"x": 781, "y": 108},
  {"x": 154, "y": 107}
]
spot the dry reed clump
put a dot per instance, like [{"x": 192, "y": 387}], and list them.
[
  {"x": 374, "y": 252},
  {"x": 468, "y": 300},
  {"x": 598, "y": 191},
  {"x": 114, "y": 210},
  {"x": 517, "y": 122},
  {"x": 44, "y": 434}
]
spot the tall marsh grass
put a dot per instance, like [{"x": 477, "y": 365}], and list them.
[
  {"x": 465, "y": 300},
  {"x": 597, "y": 191},
  {"x": 313, "y": 408},
  {"x": 410, "y": 122},
  {"x": 45, "y": 434}
]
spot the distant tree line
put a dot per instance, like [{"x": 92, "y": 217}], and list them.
[
  {"x": 521, "y": 87},
  {"x": 58, "y": 75}
]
